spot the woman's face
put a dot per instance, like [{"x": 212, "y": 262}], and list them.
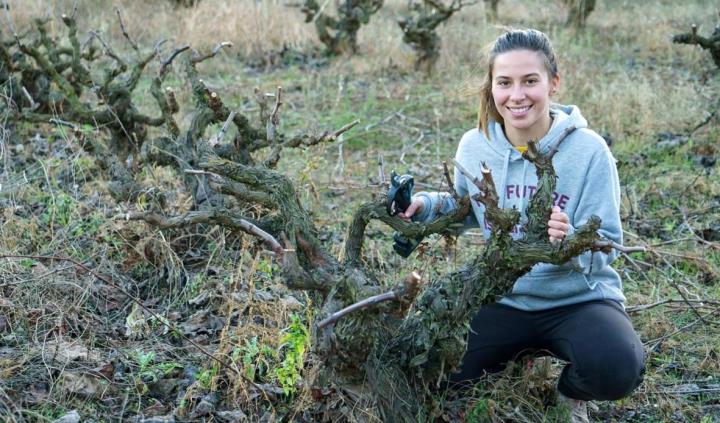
[{"x": 521, "y": 89}]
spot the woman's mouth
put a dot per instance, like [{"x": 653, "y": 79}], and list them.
[{"x": 519, "y": 111}]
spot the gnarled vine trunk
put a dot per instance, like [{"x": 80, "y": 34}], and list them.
[{"x": 405, "y": 347}]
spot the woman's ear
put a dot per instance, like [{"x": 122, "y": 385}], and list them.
[{"x": 554, "y": 84}]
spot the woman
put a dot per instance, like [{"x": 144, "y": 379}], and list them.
[{"x": 574, "y": 311}]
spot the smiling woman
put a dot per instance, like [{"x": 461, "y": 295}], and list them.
[{"x": 573, "y": 311}]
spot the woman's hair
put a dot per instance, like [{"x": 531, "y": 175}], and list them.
[{"x": 514, "y": 39}]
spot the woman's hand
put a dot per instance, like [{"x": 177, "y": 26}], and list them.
[
  {"x": 558, "y": 225},
  {"x": 415, "y": 207}
]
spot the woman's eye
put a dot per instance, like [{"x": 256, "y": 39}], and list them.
[
  {"x": 531, "y": 81},
  {"x": 503, "y": 83}
]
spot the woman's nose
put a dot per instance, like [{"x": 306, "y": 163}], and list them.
[{"x": 517, "y": 94}]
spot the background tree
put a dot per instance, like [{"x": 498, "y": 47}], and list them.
[
  {"x": 711, "y": 43},
  {"x": 578, "y": 11},
  {"x": 52, "y": 82},
  {"x": 491, "y": 9},
  {"x": 419, "y": 27},
  {"x": 339, "y": 33},
  {"x": 184, "y": 3}
]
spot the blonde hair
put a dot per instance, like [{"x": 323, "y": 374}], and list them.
[{"x": 513, "y": 39}]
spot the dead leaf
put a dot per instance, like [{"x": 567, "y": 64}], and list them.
[
  {"x": 106, "y": 369},
  {"x": 202, "y": 322},
  {"x": 64, "y": 352},
  {"x": 291, "y": 303},
  {"x": 235, "y": 416},
  {"x": 71, "y": 417},
  {"x": 36, "y": 394},
  {"x": 84, "y": 384}
]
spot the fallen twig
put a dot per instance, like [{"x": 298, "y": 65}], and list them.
[
  {"x": 367, "y": 302},
  {"x": 642, "y": 307},
  {"x": 684, "y": 391}
]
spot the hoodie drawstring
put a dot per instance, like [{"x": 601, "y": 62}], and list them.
[
  {"x": 524, "y": 200},
  {"x": 503, "y": 180}
]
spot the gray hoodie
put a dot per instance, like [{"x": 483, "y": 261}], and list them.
[{"x": 587, "y": 185}]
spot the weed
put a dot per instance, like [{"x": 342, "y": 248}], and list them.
[
  {"x": 481, "y": 411},
  {"x": 557, "y": 414},
  {"x": 196, "y": 284},
  {"x": 145, "y": 375},
  {"x": 206, "y": 376},
  {"x": 168, "y": 367},
  {"x": 144, "y": 360},
  {"x": 294, "y": 342},
  {"x": 89, "y": 226},
  {"x": 254, "y": 358},
  {"x": 265, "y": 268},
  {"x": 60, "y": 209},
  {"x": 27, "y": 263}
]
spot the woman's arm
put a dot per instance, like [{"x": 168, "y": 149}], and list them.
[{"x": 600, "y": 196}]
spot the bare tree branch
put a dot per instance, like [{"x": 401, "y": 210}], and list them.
[
  {"x": 124, "y": 31},
  {"x": 451, "y": 186},
  {"x": 197, "y": 58},
  {"x": 405, "y": 293},
  {"x": 216, "y": 217}
]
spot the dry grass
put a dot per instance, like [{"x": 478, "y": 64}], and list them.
[{"x": 617, "y": 71}]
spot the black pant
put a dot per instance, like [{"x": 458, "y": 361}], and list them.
[{"x": 605, "y": 355}]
